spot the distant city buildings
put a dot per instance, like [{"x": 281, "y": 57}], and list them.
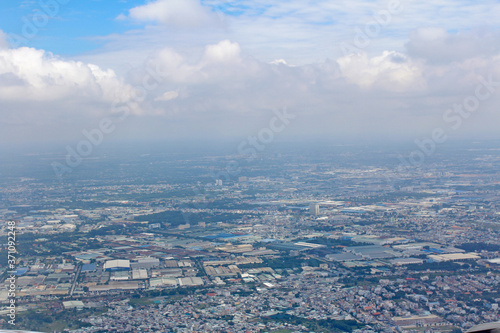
[
  {"x": 314, "y": 209},
  {"x": 159, "y": 256}
]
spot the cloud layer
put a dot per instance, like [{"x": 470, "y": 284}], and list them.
[{"x": 213, "y": 69}]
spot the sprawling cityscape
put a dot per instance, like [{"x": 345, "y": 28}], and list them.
[
  {"x": 249, "y": 166},
  {"x": 296, "y": 239}
]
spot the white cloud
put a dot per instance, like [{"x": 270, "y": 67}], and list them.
[
  {"x": 174, "y": 67},
  {"x": 44, "y": 97},
  {"x": 178, "y": 13},
  {"x": 37, "y": 75},
  {"x": 279, "y": 62},
  {"x": 438, "y": 46},
  {"x": 121, "y": 17},
  {"x": 391, "y": 71},
  {"x": 223, "y": 52},
  {"x": 300, "y": 32},
  {"x": 218, "y": 61},
  {"x": 390, "y": 93},
  {"x": 167, "y": 96}
]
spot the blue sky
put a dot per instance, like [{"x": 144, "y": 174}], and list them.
[
  {"x": 348, "y": 69},
  {"x": 73, "y": 29},
  {"x": 68, "y": 32}
]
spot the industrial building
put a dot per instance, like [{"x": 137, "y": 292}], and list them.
[{"x": 117, "y": 265}]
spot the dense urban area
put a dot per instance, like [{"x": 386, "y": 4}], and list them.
[{"x": 299, "y": 239}]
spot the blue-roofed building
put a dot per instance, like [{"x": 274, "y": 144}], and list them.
[
  {"x": 87, "y": 256},
  {"x": 89, "y": 268},
  {"x": 224, "y": 235},
  {"x": 20, "y": 271}
]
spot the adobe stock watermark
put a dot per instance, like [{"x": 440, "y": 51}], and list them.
[
  {"x": 249, "y": 149},
  {"x": 31, "y": 26},
  {"x": 253, "y": 144},
  {"x": 11, "y": 265},
  {"x": 454, "y": 118},
  {"x": 372, "y": 29},
  {"x": 120, "y": 111}
]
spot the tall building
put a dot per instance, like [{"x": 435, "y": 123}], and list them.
[{"x": 314, "y": 208}]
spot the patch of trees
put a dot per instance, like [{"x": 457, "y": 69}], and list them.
[
  {"x": 323, "y": 325},
  {"x": 477, "y": 247},
  {"x": 108, "y": 230},
  {"x": 437, "y": 266},
  {"x": 45, "y": 320}
]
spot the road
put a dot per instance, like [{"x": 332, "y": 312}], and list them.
[{"x": 75, "y": 280}]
